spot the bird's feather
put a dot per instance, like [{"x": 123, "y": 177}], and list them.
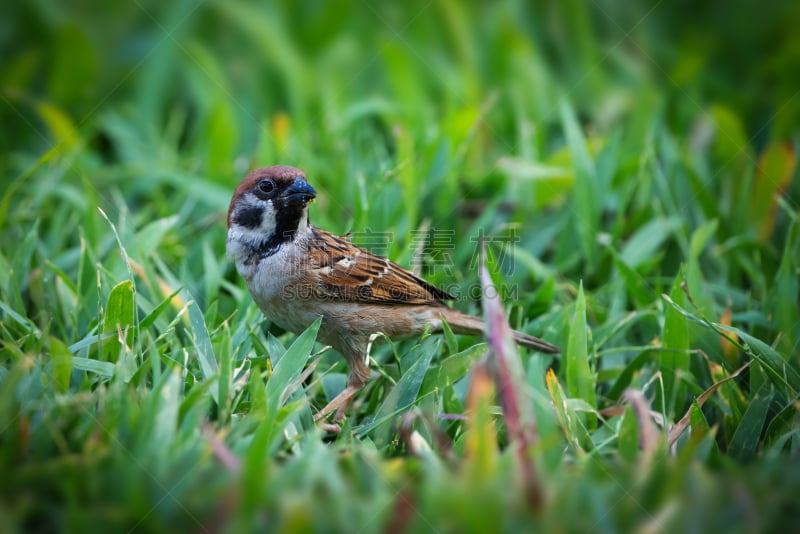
[{"x": 348, "y": 272}]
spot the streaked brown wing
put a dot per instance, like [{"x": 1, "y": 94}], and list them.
[{"x": 348, "y": 272}]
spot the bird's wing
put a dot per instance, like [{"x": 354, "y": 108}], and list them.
[{"x": 343, "y": 271}]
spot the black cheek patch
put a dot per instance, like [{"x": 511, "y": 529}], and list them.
[{"x": 249, "y": 217}]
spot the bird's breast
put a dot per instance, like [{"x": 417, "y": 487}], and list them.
[{"x": 281, "y": 289}]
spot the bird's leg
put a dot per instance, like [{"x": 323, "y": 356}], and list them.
[
  {"x": 339, "y": 403},
  {"x": 359, "y": 373}
]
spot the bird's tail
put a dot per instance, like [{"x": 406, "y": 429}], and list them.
[{"x": 462, "y": 323}]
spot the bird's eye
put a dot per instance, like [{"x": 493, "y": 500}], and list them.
[{"x": 266, "y": 186}]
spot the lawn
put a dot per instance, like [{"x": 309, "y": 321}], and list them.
[{"x": 619, "y": 179}]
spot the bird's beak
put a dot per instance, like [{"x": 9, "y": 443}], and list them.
[{"x": 299, "y": 193}]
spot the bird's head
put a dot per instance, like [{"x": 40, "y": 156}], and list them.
[{"x": 269, "y": 208}]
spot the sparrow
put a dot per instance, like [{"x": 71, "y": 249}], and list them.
[{"x": 297, "y": 272}]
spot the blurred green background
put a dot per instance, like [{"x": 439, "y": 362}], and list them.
[
  {"x": 636, "y": 148},
  {"x": 219, "y": 77}
]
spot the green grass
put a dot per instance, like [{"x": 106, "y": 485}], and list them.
[{"x": 638, "y": 185}]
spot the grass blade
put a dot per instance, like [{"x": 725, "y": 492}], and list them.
[
  {"x": 118, "y": 317},
  {"x": 585, "y": 193},
  {"x": 674, "y": 359},
  {"x": 201, "y": 341},
  {"x": 580, "y": 380},
  {"x": 289, "y": 367},
  {"x": 746, "y": 438}
]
